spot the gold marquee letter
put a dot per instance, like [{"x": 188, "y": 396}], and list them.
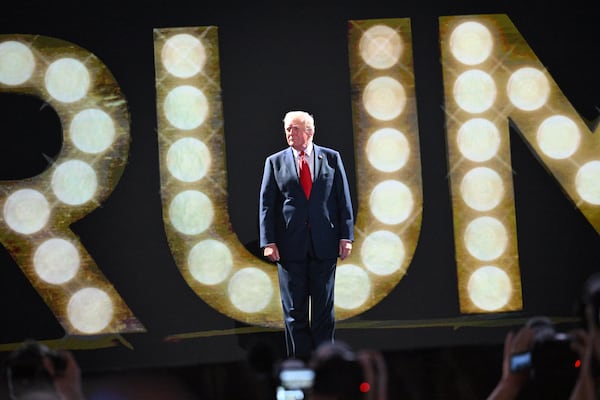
[
  {"x": 194, "y": 187},
  {"x": 36, "y": 212},
  {"x": 491, "y": 75}
]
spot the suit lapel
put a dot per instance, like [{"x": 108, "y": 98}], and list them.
[
  {"x": 290, "y": 163},
  {"x": 318, "y": 161}
]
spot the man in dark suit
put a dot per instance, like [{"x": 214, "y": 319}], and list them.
[{"x": 304, "y": 230}]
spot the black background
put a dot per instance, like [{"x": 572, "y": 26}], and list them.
[{"x": 277, "y": 56}]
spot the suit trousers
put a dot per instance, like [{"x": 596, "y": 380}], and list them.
[{"x": 299, "y": 281}]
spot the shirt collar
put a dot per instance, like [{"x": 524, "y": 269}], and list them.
[{"x": 307, "y": 152}]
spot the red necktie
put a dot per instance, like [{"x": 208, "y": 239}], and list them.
[{"x": 305, "y": 178}]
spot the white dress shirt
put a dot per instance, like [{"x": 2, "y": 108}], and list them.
[{"x": 309, "y": 155}]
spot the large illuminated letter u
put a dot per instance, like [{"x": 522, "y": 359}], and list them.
[{"x": 193, "y": 174}]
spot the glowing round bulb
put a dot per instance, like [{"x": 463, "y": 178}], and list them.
[
  {"x": 482, "y": 188},
  {"x": 478, "y": 139},
  {"x": 250, "y": 290},
  {"x": 558, "y": 137},
  {"x": 489, "y": 288},
  {"x": 210, "y": 262},
  {"x": 474, "y": 91},
  {"x": 587, "y": 182},
  {"x": 26, "y": 211},
  {"x": 188, "y": 159},
  {"x": 56, "y": 261},
  {"x": 528, "y": 89},
  {"x": 471, "y": 43},
  {"x": 90, "y": 310},
  {"x": 391, "y": 202},
  {"x": 74, "y": 182},
  {"x": 380, "y": 46},
  {"x": 16, "y": 63},
  {"x": 388, "y": 150},
  {"x": 352, "y": 286},
  {"x": 382, "y": 253},
  {"x": 486, "y": 238},
  {"x": 186, "y": 107},
  {"x": 191, "y": 212},
  {"x": 92, "y": 131},
  {"x": 183, "y": 55},
  {"x": 67, "y": 80},
  {"x": 384, "y": 98}
]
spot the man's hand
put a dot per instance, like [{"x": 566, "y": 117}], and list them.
[
  {"x": 271, "y": 252},
  {"x": 345, "y": 248}
]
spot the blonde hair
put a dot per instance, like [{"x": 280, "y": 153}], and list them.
[{"x": 309, "y": 121}]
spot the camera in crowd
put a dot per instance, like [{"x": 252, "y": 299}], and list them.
[
  {"x": 551, "y": 355},
  {"x": 294, "y": 379},
  {"x": 334, "y": 371}
]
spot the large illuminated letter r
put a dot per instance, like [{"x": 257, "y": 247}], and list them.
[{"x": 36, "y": 213}]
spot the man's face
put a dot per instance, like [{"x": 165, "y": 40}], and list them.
[{"x": 297, "y": 135}]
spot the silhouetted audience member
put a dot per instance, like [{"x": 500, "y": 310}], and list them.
[
  {"x": 35, "y": 372},
  {"x": 376, "y": 374},
  {"x": 342, "y": 374},
  {"x": 587, "y": 344},
  {"x": 572, "y": 369},
  {"x": 338, "y": 373}
]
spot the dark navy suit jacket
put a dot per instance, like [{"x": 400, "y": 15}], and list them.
[{"x": 285, "y": 215}]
